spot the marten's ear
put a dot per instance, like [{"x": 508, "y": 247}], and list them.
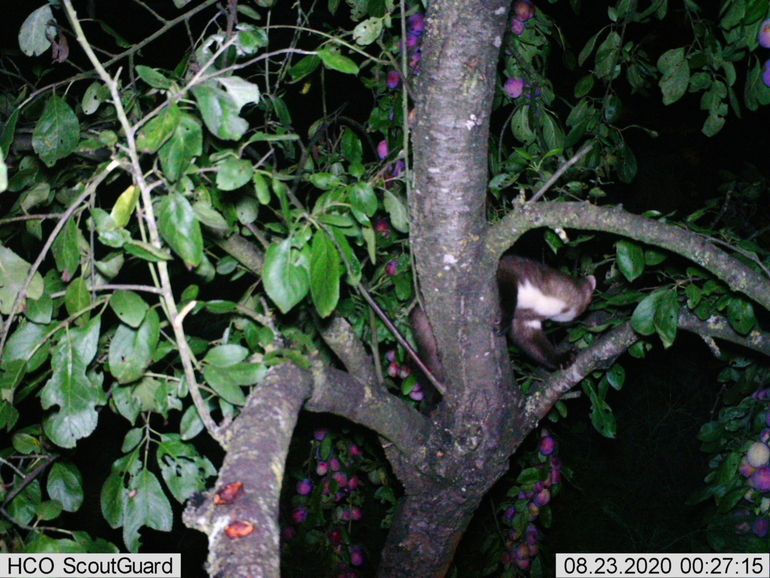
[{"x": 591, "y": 281}]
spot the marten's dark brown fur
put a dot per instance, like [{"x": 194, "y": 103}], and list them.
[{"x": 530, "y": 293}]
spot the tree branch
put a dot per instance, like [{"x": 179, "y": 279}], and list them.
[
  {"x": 258, "y": 442},
  {"x": 600, "y": 354},
  {"x": 339, "y": 336},
  {"x": 719, "y": 327},
  {"x": 615, "y": 342},
  {"x": 256, "y": 457},
  {"x": 169, "y": 303},
  {"x": 738, "y": 276}
]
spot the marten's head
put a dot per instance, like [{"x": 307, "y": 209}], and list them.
[{"x": 577, "y": 295}]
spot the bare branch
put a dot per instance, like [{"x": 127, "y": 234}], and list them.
[
  {"x": 719, "y": 327},
  {"x": 258, "y": 442},
  {"x": 615, "y": 342},
  {"x": 243, "y": 251},
  {"x": 339, "y": 336},
  {"x": 738, "y": 276},
  {"x": 600, "y": 354}
]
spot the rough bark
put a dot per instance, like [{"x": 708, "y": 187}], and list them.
[
  {"x": 419, "y": 534},
  {"x": 258, "y": 441},
  {"x": 473, "y": 430}
]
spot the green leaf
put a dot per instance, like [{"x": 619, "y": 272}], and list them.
[
  {"x": 227, "y": 381},
  {"x": 324, "y": 181},
  {"x": 70, "y": 389},
  {"x": 132, "y": 439},
  {"x": 48, "y": 510},
  {"x": 368, "y": 31},
  {"x": 627, "y": 167},
  {"x": 113, "y": 500},
  {"x": 40, "y": 310},
  {"x": 740, "y": 314},
  {"x": 304, "y": 67},
  {"x": 126, "y": 403},
  {"x": 261, "y": 188},
  {"x": 220, "y": 381},
  {"x": 588, "y": 48},
  {"x": 8, "y": 133},
  {"x": 642, "y": 319},
  {"x": 129, "y": 307},
  {"x": 180, "y": 229},
  {"x": 155, "y": 133},
  {"x": 13, "y": 274},
  {"x": 350, "y": 260},
  {"x": 584, "y": 86},
  {"x": 147, "y": 252},
  {"x": 335, "y": 61},
  {"x": 125, "y": 206},
  {"x": 65, "y": 484},
  {"x": 183, "y": 469},
  {"x": 363, "y": 199},
  {"x": 676, "y": 74},
  {"x": 66, "y": 250},
  {"x": 630, "y": 259},
  {"x": 57, "y": 131},
  {"x": 233, "y": 173},
  {"x": 352, "y": 149},
  {"x": 520, "y": 125},
  {"x": 77, "y": 298},
  {"x": 654, "y": 257},
  {"x": 131, "y": 350},
  {"x": 397, "y": 212},
  {"x": 220, "y": 112},
  {"x": 226, "y": 355},
  {"x": 185, "y": 144},
  {"x": 33, "y": 34},
  {"x": 241, "y": 91},
  {"x": 325, "y": 273},
  {"x": 146, "y": 506},
  {"x": 608, "y": 57},
  {"x": 286, "y": 283},
  {"x": 616, "y": 376},
  {"x": 713, "y": 124},
  {"x": 22, "y": 342},
  {"x": 93, "y": 97},
  {"x": 250, "y": 38},
  {"x": 667, "y": 317},
  {"x": 25, "y": 443},
  {"x": 153, "y": 77},
  {"x": 210, "y": 217},
  {"x": 191, "y": 423},
  {"x": 602, "y": 417}
]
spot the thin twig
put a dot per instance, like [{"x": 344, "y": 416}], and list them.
[
  {"x": 22, "y": 294},
  {"x": 117, "y": 287},
  {"x": 134, "y": 49},
  {"x": 185, "y": 354},
  {"x": 22, "y": 218},
  {"x": 584, "y": 150}
]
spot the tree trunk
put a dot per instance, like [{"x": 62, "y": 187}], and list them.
[
  {"x": 473, "y": 427},
  {"x": 426, "y": 531}
]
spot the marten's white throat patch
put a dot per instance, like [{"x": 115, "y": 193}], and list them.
[{"x": 530, "y": 297}]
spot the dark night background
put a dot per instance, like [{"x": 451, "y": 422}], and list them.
[{"x": 627, "y": 494}]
